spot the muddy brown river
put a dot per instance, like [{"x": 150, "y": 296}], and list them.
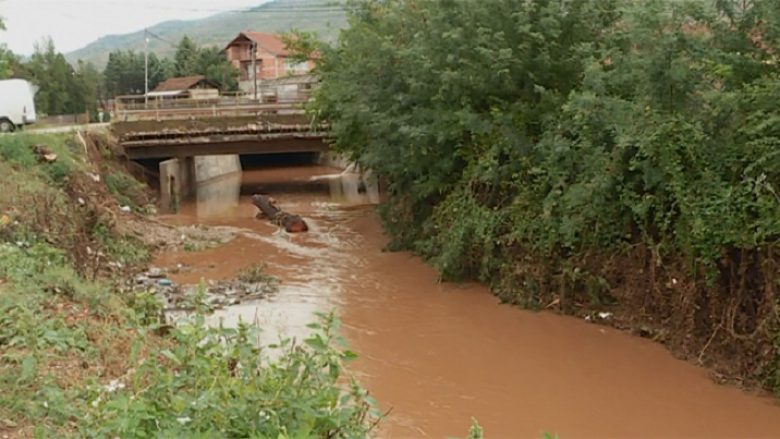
[{"x": 437, "y": 354}]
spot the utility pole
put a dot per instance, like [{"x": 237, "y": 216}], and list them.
[
  {"x": 254, "y": 66},
  {"x": 146, "y": 68}
]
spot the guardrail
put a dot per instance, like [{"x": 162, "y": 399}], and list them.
[
  {"x": 214, "y": 110},
  {"x": 226, "y": 99}
]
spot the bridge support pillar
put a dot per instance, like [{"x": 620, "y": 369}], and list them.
[
  {"x": 213, "y": 166},
  {"x": 179, "y": 177},
  {"x": 177, "y": 180}
]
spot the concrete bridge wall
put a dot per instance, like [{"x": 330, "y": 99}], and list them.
[
  {"x": 180, "y": 176},
  {"x": 213, "y": 166}
]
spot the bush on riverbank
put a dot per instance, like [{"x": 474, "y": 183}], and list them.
[
  {"x": 81, "y": 356},
  {"x": 586, "y": 155},
  {"x": 212, "y": 382}
]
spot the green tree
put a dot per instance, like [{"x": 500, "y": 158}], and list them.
[
  {"x": 186, "y": 59},
  {"x": 124, "y": 72},
  {"x": 210, "y": 62},
  {"x": 5, "y": 56},
  {"x": 90, "y": 87},
  {"x": 59, "y": 91},
  {"x": 214, "y": 65},
  {"x": 525, "y": 143},
  {"x": 5, "y": 63}
]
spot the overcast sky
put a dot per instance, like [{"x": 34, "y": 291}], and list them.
[{"x": 75, "y": 23}]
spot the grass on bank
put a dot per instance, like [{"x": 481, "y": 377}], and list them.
[{"x": 79, "y": 356}]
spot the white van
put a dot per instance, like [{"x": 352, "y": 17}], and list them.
[{"x": 17, "y": 104}]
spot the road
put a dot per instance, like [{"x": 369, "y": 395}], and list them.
[{"x": 66, "y": 129}]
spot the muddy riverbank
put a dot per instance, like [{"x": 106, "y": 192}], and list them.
[{"x": 436, "y": 354}]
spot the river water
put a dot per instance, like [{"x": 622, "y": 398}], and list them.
[{"x": 437, "y": 354}]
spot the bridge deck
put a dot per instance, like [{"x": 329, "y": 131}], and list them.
[
  {"x": 269, "y": 143},
  {"x": 158, "y": 140}
]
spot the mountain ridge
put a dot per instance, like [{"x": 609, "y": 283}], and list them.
[{"x": 321, "y": 16}]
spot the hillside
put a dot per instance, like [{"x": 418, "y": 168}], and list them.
[{"x": 322, "y": 16}]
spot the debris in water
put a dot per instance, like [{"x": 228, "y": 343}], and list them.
[
  {"x": 268, "y": 208},
  {"x": 125, "y": 209},
  {"x": 155, "y": 273},
  {"x": 217, "y": 294}
]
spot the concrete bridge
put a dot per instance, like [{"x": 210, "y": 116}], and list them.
[
  {"x": 250, "y": 141},
  {"x": 195, "y": 147},
  {"x": 266, "y": 130}
]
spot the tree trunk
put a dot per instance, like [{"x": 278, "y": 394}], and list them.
[{"x": 268, "y": 208}]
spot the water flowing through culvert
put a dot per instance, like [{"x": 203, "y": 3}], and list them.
[{"x": 437, "y": 354}]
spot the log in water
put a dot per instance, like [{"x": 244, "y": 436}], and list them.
[{"x": 291, "y": 223}]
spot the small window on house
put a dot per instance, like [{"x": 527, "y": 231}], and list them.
[{"x": 297, "y": 67}]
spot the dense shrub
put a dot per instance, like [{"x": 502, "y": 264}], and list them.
[
  {"x": 125, "y": 188},
  {"x": 588, "y": 151},
  {"x": 218, "y": 382}
]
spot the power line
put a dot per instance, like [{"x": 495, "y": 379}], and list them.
[
  {"x": 255, "y": 10},
  {"x": 164, "y": 40},
  {"x": 259, "y": 11},
  {"x": 323, "y": 7}
]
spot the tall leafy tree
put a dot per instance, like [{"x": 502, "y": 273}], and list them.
[
  {"x": 214, "y": 65},
  {"x": 124, "y": 72},
  {"x": 186, "y": 58},
  {"x": 5, "y": 63},
  {"x": 89, "y": 87},
  {"x": 210, "y": 62},
  {"x": 5, "y": 57},
  {"x": 522, "y": 142},
  {"x": 58, "y": 91}
]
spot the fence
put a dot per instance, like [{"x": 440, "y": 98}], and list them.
[{"x": 133, "y": 108}]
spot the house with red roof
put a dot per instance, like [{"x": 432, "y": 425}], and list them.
[
  {"x": 193, "y": 87},
  {"x": 271, "y": 57}
]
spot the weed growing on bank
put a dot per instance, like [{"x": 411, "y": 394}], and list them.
[
  {"x": 80, "y": 360},
  {"x": 199, "y": 245},
  {"x": 477, "y": 432},
  {"x": 256, "y": 273},
  {"x": 125, "y": 188},
  {"x": 218, "y": 382},
  {"x": 22, "y": 152}
]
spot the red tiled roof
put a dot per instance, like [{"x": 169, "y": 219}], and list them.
[
  {"x": 270, "y": 42},
  {"x": 182, "y": 83}
]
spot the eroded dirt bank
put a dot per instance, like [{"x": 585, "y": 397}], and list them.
[{"x": 438, "y": 354}]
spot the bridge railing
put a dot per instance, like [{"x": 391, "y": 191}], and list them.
[{"x": 132, "y": 108}]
